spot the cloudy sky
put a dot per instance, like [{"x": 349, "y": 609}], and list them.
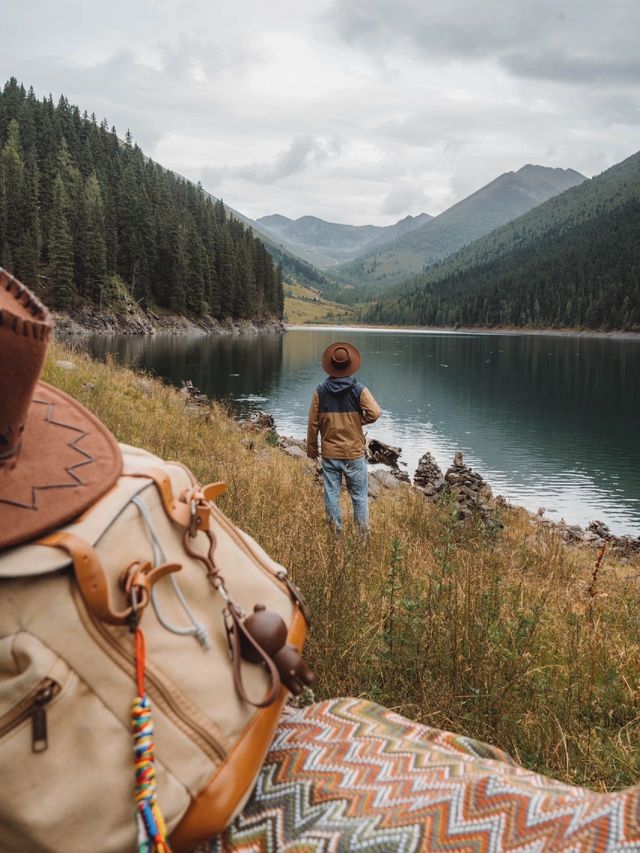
[{"x": 357, "y": 111}]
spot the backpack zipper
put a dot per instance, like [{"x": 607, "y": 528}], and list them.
[
  {"x": 33, "y": 705},
  {"x": 158, "y": 690}
]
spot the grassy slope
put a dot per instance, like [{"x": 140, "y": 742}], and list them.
[
  {"x": 304, "y": 305},
  {"x": 490, "y": 633}
]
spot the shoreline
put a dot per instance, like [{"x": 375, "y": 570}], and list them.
[
  {"x": 470, "y": 330},
  {"x": 142, "y": 323},
  {"x": 462, "y": 483},
  {"x": 148, "y": 323}
]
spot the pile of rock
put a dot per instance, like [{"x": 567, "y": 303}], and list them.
[
  {"x": 600, "y": 529},
  {"x": 194, "y": 394},
  {"x": 263, "y": 420},
  {"x": 626, "y": 545},
  {"x": 429, "y": 478},
  {"x": 379, "y": 453},
  {"x": 595, "y": 536},
  {"x": 472, "y": 493},
  {"x": 470, "y": 490},
  {"x": 257, "y": 422}
]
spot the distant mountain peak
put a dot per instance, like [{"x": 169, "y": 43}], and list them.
[
  {"x": 501, "y": 200},
  {"x": 533, "y": 170},
  {"x": 274, "y": 220},
  {"x": 326, "y": 244},
  {"x": 410, "y": 218}
]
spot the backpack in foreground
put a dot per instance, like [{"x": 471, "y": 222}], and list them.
[{"x": 121, "y": 582}]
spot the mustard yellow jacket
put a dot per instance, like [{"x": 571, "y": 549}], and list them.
[{"x": 339, "y": 408}]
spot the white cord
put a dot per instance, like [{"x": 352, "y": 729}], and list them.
[{"x": 196, "y": 629}]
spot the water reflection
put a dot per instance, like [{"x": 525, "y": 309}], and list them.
[
  {"x": 549, "y": 421},
  {"x": 221, "y": 366}
]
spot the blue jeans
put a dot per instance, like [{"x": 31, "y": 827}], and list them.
[{"x": 357, "y": 480}]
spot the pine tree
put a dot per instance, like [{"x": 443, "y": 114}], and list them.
[
  {"x": 278, "y": 308},
  {"x": 92, "y": 251},
  {"x": 28, "y": 251},
  {"x": 62, "y": 294},
  {"x": 15, "y": 196}
]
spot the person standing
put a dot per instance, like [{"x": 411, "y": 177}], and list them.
[{"x": 339, "y": 408}]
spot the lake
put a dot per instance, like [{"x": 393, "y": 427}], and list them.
[{"x": 549, "y": 421}]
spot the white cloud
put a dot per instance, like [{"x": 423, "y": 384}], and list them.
[{"x": 353, "y": 110}]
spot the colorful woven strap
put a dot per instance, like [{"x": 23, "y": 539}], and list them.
[{"x": 151, "y": 827}]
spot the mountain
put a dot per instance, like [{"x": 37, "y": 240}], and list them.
[
  {"x": 572, "y": 261},
  {"x": 326, "y": 244},
  {"x": 295, "y": 270},
  {"x": 505, "y": 198}
]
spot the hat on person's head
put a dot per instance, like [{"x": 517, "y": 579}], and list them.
[
  {"x": 340, "y": 359},
  {"x": 56, "y": 458}
]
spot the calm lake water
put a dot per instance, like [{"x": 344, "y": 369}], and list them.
[{"x": 547, "y": 420}]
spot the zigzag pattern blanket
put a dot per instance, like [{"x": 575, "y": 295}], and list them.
[{"x": 349, "y": 775}]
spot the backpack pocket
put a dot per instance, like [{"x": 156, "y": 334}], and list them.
[{"x": 57, "y": 776}]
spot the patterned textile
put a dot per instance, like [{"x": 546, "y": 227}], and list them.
[{"x": 349, "y": 775}]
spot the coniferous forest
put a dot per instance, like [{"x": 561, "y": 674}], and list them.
[{"x": 86, "y": 218}]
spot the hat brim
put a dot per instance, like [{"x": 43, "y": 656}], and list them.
[
  {"x": 67, "y": 460},
  {"x": 352, "y": 367}
]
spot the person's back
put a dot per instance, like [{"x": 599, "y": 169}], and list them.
[{"x": 339, "y": 408}]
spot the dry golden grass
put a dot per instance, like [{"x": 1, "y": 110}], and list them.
[
  {"x": 300, "y": 291},
  {"x": 504, "y": 634},
  {"x": 304, "y": 305}
]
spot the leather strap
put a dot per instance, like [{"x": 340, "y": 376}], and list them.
[
  {"x": 236, "y": 658},
  {"x": 192, "y": 509},
  {"x": 236, "y": 627},
  {"x": 214, "y": 490},
  {"x": 93, "y": 583}
]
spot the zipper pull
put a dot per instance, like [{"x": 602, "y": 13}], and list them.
[{"x": 39, "y": 736}]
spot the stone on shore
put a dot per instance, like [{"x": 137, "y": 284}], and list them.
[
  {"x": 294, "y": 451},
  {"x": 263, "y": 420},
  {"x": 379, "y": 452},
  {"x": 385, "y": 480}
]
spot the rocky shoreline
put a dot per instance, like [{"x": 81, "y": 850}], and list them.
[
  {"x": 132, "y": 320},
  {"x": 470, "y": 495}
]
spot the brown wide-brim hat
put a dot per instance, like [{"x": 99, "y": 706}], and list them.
[
  {"x": 340, "y": 359},
  {"x": 56, "y": 458}
]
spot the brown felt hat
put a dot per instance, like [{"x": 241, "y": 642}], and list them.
[
  {"x": 56, "y": 458},
  {"x": 340, "y": 359}
]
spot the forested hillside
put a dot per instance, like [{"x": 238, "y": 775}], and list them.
[
  {"x": 572, "y": 261},
  {"x": 86, "y": 217}
]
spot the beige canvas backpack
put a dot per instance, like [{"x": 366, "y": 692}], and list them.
[{"x": 67, "y": 674}]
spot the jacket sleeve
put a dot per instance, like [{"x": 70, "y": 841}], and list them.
[
  {"x": 313, "y": 425},
  {"x": 369, "y": 409}
]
